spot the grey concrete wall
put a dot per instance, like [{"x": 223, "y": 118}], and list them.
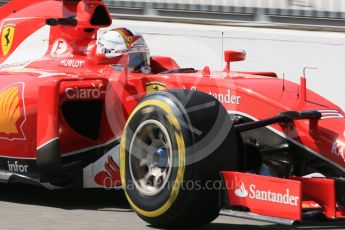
[
  {"x": 320, "y": 13},
  {"x": 303, "y": 8}
]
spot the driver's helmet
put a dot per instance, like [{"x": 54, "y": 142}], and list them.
[{"x": 116, "y": 42}]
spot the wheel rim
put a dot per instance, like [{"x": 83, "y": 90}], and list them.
[{"x": 150, "y": 157}]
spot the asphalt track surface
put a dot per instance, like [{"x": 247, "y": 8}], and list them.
[{"x": 26, "y": 207}]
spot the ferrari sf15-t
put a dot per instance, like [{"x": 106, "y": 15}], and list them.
[{"x": 184, "y": 144}]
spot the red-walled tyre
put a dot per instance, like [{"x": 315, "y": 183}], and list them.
[{"x": 172, "y": 151}]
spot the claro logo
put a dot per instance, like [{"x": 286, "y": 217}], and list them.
[
  {"x": 94, "y": 92},
  {"x": 267, "y": 195}
]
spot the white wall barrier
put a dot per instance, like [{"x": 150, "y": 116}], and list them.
[{"x": 310, "y": 8}]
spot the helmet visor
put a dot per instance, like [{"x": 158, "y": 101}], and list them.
[{"x": 137, "y": 60}]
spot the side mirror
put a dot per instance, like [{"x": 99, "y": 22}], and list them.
[{"x": 233, "y": 56}]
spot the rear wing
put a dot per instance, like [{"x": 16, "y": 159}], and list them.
[{"x": 88, "y": 13}]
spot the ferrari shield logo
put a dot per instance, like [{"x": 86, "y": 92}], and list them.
[
  {"x": 152, "y": 87},
  {"x": 7, "y": 36}
]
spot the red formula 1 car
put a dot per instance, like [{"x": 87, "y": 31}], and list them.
[{"x": 184, "y": 144}]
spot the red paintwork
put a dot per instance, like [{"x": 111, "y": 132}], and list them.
[
  {"x": 259, "y": 96},
  {"x": 53, "y": 64},
  {"x": 265, "y": 195},
  {"x": 260, "y": 195},
  {"x": 110, "y": 177},
  {"x": 324, "y": 197}
]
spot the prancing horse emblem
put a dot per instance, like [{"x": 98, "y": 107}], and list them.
[{"x": 7, "y": 38}]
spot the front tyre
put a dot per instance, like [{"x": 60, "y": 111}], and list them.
[{"x": 173, "y": 148}]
